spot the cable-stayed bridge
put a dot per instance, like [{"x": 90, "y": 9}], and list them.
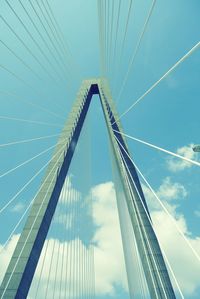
[{"x": 56, "y": 249}]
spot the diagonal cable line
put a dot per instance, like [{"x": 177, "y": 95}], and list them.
[
  {"x": 182, "y": 59},
  {"x": 104, "y": 10},
  {"x": 28, "y": 140},
  {"x": 30, "y": 231},
  {"x": 163, "y": 206},
  {"x": 101, "y": 46},
  {"x": 136, "y": 49},
  {"x": 49, "y": 36},
  {"x": 163, "y": 251},
  {"x": 61, "y": 36},
  {"x": 18, "y": 223},
  {"x": 69, "y": 236},
  {"x": 2, "y": 209},
  {"x": 20, "y": 59},
  {"x": 26, "y": 84},
  {"x": 103, "y": 36},
  {"x": 64, "y": 221},
  {"x": 123, "y": 42},
  {"x": 31, "y": 36},
  {"x": 172, "y": 272},
  {"x": 127, "y": 179},
  {"x": 126, "y": 30},
  {"x": 47, "y": 241},
  {"x": 60, "y": 252},
  {"x": 24, "y": 214},
  {"x": 111, "y": 34},
  {"x": 45, "y": 248},
  {"x": 53, "y": 253},
  {"x": 25, "y": 46},
  {"x": 160, "y": 149},
  {"x": 147, "y": 214},
  {"x": 17, "y": 77},
  {"x": 107, "y": 16},
  {"x": 57, "y": 262},
  {"x": 42, "y": 37},
  {"x": 16, "y": 226},
  {"x": 101, "y": 39},
  {"x": 57, "y": 38},
  {"x": 27, "y": 161},
  {"x": 59, "y": 51},
  {"x": 18, "y": 97},
  {"x": 116, "y": 36},
  {"x": 50, "y": 268},
  {"x": 168, "y": 213},
  {"x": 24, "y": 63},
  {"x": 53, "y": 35},
  {"x": 30, "y": 121},
  {"x": 50, "y": 271},
  {"x": 141, "y": 225}
]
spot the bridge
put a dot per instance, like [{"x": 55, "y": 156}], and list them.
[{"x": 68, "y": 224}]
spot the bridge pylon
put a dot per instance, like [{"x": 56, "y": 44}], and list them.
[{"x": 22, "y": 266}]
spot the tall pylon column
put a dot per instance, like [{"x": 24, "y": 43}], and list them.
[{"x": 21, "y": 269}]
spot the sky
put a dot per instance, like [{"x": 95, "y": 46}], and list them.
[{"x": 39, "y": 80}]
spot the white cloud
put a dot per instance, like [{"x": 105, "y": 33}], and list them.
[
  {"x": 107, "y": 247},
  {"x": 18, "y": 207},
  {"x": 184, "y": 264},
  {"x": 179, "y": 254},
  {"x": 109, "y": 261},
  {"x": 6, "y": 253},
  {"x": 68, "y": 197},
  {"x": 59, "y": 259},
  {"x": 197, "y": 213},
  {"x": 170, "y": 193},
  {"x": 169, "y": 190},
  {"x": 176, "y": 164},
  {"x": 66, "y": 221},
  {"x": 69, "y": 193},
  {"x": 56, "y": 265}
]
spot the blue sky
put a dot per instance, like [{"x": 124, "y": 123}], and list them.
[{"x": 167, "y": 117}]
